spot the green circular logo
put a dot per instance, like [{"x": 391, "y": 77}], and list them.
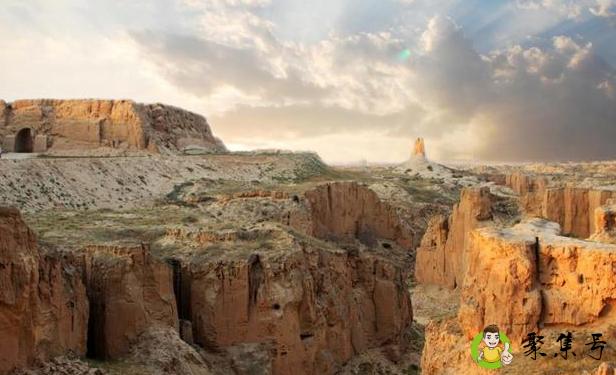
[{"x": 475, "y": 350}]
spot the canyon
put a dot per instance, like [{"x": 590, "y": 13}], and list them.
[
  {"x": 546, "y": 266},
  {"x": 133, "y": 242}
]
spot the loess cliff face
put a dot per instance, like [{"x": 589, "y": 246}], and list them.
[
  {"x": 282, "y": 281},
  {"x": 529, "y": 277},
  {"x": 571, "y": 206},
  {"x": 43, "y": 304},
  {"x": 60, "y": 125},
  {"x": 347, "y": 210},
  {"x": 304, "y": 304},
  {"x": 605, "y": 223},
  {"x": 129, "y": 292},
  {"x": 311, "y": 306},
  {"x": 526, "y": 278},
  {"x": 440, "y": 258}
]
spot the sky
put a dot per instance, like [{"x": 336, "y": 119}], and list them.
[{"x": 489, "y": 80}]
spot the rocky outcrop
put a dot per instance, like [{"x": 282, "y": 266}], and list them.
[
  {"x": 62, "y": 365},
  {"x": 116, "y": 124},
  {"x": 446, "y": 350},
  {"x": 419, "y": 149},
  {"x": 528, "y": 275},
  {"x": 440, "y": 257},
  {"x": 570, "y": 206},
  {"x": 43, "y": 305},
  {"x": 309, "y": 306},
  {"x": 500, "y": 285},
  {"x": 573, "y": 208},
  {"x": 160, "y": 350},
  {"x": 347, "y": 210},
  {"x": 605, "y": 223},
  {"x": 531, "y": 190},
  {"x": 526, "y": 278},
  {"x": 606, "y": 369},
  {"x": 129, "y": 292}
]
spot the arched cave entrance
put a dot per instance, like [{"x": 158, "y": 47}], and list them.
[{"x": 23, "y": 141}]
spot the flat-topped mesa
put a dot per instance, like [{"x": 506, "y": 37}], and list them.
[
  {"x": 83, "y": 125},
  {"x": 419, "y": 150}
]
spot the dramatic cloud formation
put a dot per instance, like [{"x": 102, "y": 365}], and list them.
[{"x": 352, "y": 79}]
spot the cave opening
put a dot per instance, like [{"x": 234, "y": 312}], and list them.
[
  {"x": 181, "y": 289},
  {"x": 255, "y": 278},
  {"x": 23, "y": 141},
  {"x": 96, "y": 330}
]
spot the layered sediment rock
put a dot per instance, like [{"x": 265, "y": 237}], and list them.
[
  {"x": 90, "y": 124},
  {"x": 440, "y": 257},
  {"x": 43, "y": 305}
]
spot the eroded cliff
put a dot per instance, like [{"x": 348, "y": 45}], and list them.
[
  {"x": 43, "y": 304},
  {"x": 440, "y": 258}
]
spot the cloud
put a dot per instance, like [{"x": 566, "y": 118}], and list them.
[
  {"x": 514, "y": 103},
  {"x": 340, "y": 81},
  {"x": 572, "y": 9},
  {"x": 552, "y": 104}
]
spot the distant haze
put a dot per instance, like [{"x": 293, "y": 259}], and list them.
[{"x": 350, "y": 79}]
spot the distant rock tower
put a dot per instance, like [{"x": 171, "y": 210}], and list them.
[{"x": 419, "y": 151}]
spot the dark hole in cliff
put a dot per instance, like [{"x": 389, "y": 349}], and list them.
[
  {"x": 255, "y": 278},
  {"x": 536, "y": 249},
  {"x": 96, "y": 329},
  {"x": 581, "y": 279},
  {"x": 181, "y": 289},
  {"x": 386, "y": 245},
  {"x": 295, "y": 199},
  {"x": 276, "y": 306},
  {"x": 23, "y": 141},
  {"x": 305, "y": 336}
]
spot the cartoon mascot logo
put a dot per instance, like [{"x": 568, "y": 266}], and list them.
[{"x": 490, "y": 348}]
